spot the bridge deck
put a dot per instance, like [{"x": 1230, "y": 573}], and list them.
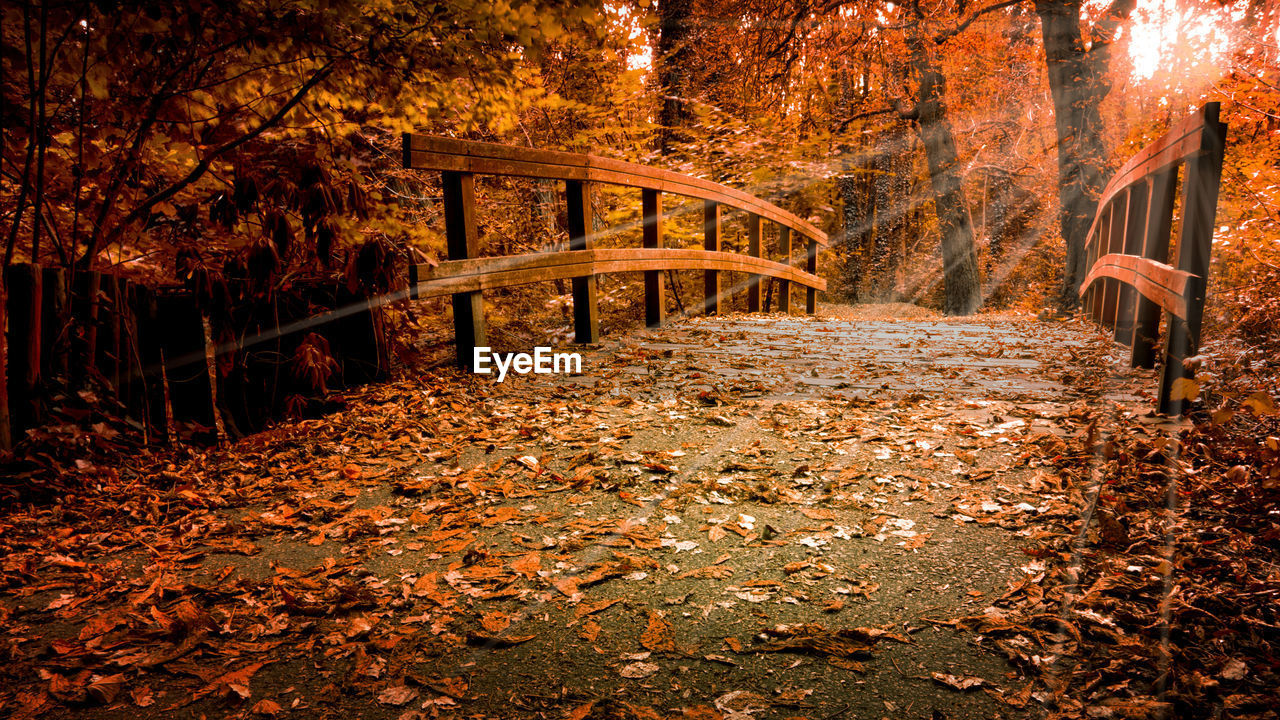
[{"x": 639, "y": 533}]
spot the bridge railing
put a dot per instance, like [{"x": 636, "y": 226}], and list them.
[
  {"x": 1130, "y": 283},
  {"x": 465, "y": 275}
]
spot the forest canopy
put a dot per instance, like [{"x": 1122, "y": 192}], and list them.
[{"x": 923, "y": 137}]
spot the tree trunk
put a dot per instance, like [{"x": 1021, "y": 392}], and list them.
[
  {"x": 891, "y": 206},
  {"x": 673, "y": 61},
  {"x": 963, "y": 289},
  {"x": 1078, "y": 84},
  {"x": 857, "y": 215}
]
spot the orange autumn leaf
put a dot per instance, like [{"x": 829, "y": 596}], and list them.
[
  {"x": 266, "y": 707},
  {"x": 495, "y": 622},
  {"x": 527, "y": 565},
  {"x": 658, "y": 636},
  {"x": 590, "y": 630}
]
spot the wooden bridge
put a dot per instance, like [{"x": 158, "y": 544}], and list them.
[
  {"x": 155, "y": 349},
  {"x": 1128, "y": 285},
  {"x": 465, "y": 275}
]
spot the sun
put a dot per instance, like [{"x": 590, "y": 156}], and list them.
[{"x": 1177, "y": 45}]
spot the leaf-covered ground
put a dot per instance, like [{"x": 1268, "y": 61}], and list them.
[{"x": 741, "y": 517}]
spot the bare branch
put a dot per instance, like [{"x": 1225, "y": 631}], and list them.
[
  {"x": 862, "y": 115},
  {"x": 945, "y": 36},
  {"x": 203, "y": 166}
]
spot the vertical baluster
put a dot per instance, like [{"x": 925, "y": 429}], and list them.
[
  {"x": 464, "y": 243},
  {"x": 811, "y": 266},
  {"x": 784, "y": 285},
  {"x": 655, "y": 301},
  {"x": 23, "y": 283},
  {"x": 1155, "y": 247},
  {"x": 1100, "y": 285},
  {"x": 586, "y": 321},
  {"x": 1199, "y": 206},
  {"x": 711, "y": 241},
  {"x": 1086, "y": 297},
  {"x": 54, "y": 321},
  {"x": 1115, "y": 241},
  {"x": 1135, "y": 228},
  {"x": 753, "y": 249},
  {"x": 108, "y": 355}
]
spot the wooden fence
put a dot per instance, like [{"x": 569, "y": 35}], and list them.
[
  {"x": 465, "y": 275},
  {"x": 170, "y": 358},
  {"x": 1130, "y": 282}
]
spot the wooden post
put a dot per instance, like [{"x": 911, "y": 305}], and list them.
[
  {"x": 1115, "y": 241},
  {"x": 811, "y": 266},
  {"x": 1155, "y": 246},
  {"x": 1134, "y": 233},
  {"x": 655, "y": 305},
  {"x": 784, "y": 286},
  {"x": 211, "y": 371},
  {"x": 107, "y": 358},
  {"x": 753, "y": 249},
  {"x": 22, "y": 283},
  {"x": 1199, "y": 208},
  {"x": 84, "y": 309},
  {"x": 1086, "y": 300},
  {"x": 1100, "y": 243},
  {"x": 181, "y": 329},
  {"x": 123, "y": 315},
  {"x": 586, "y": 321},
  {"x": 149, "y": 403},
  {"x": 54, "y": 360},
  {"x": 464, "y": 242},
  {"x": 711, "y": 241}
]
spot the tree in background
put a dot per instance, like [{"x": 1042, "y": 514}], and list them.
[
  {"x": 1079, "y": 81},
  {"x": 673, "y": 57},
  {"x": 125, "y": 124},
  {"x": 962, "y": 286}
]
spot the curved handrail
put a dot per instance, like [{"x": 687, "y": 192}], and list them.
[
  {"x": 1184, "y": 140},
  {"x": 1160, "y": 283},
  {"x": 466, "y": 275},
  {"x": 474, "y": 275},
  {"x": 424, "y": 152},
  {"x": 1129, "y": 280}
]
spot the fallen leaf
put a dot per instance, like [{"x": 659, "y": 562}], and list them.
[
  {"x": 1260, "y": 403},
  {"x": 495, "y": 622},
  {"x": 962, "y": 683},
  {"x": 105, "y": 689},
  {"x": 1234, "y": 670},
  {"x": 590, "y": 630},
  {"x": 397, "y": 695},
  {"x": 638, "y": 670},
  {"x": 266, "y": 707},
  {"x": 658, "y": 636}
]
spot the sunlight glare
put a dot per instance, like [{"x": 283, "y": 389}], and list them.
[{"x": 1175, "y": 45}]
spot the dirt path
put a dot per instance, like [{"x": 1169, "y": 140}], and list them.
[{"x": 742, "y": 517}]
